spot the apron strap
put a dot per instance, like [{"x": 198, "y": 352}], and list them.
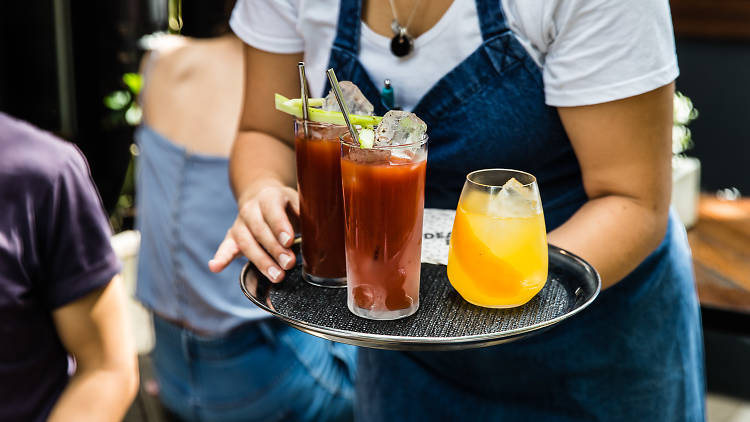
[
  {"x": 349, "y": 26},
  {"x": 491, "y": 18}
]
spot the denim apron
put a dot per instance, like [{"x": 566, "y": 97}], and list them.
[{"x": 636, "y": 353}]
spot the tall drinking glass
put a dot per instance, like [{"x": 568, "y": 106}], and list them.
[
  {"x": 383, "y": 209},
  {"x": 498, "y": 246},
  {"x": 321, "y": 203}
]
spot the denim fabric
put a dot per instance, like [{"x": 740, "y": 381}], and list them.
[
  {"x": 634, "y": 355},
  {"x": 262, "y": 371},
  {"x": 251, "y": 368},
  {"x": 488, "y": 112},
  {"x": 185, "y": 207}
]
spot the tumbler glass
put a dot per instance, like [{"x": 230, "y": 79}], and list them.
[
  {"x": 321, "y": 202},
  {"x": 498, "y": 247},
  {"x": 383, "y": 208}
]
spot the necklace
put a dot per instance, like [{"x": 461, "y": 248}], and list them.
[{"x": 402, "y": 43}]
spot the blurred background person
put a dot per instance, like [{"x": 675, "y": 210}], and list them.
[
  {"x": 60, "y": 292},
  {"x": 216, "y": 357}
]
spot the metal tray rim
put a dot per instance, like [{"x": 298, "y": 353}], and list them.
[{"x": 367, "y": 339}]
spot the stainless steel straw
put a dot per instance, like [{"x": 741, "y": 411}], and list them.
[
  {"x": 342, "y": 104},
  {"x": 303, "y": 95}
]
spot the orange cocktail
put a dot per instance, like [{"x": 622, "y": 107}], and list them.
[{"x": 498, "y": 247}]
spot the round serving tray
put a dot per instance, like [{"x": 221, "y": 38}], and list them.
[{"x": 444, "y": 321}]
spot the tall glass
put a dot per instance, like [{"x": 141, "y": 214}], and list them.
[
  {"x": 321, "y": 203},
  {"x": 383, "y": 209},
  {"x": 498, "y": 246}
]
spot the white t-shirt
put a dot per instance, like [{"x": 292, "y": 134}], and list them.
[{"x": 590, "y": 51}]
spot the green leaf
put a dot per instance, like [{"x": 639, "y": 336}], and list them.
[
  {"x": 117, "y": 100},
  {"x": 684, "y": 111},
  {"x": 134, "y": 81},
  {"x": 133, "y": 115},
  {"x": 681, "y": 139}
]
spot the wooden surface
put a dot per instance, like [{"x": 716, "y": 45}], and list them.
[
  {"x": 720, "y": 242},
  {"x": 711, "y": 19}
]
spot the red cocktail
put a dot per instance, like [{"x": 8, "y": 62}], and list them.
[
  {"x": 383, "y": 206},
  {"x": 320, "y": 200}
]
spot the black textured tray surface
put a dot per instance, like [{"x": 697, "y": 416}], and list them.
[{"x": 444, "y": 319}]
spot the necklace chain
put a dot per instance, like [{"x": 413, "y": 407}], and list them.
[
  {"x": 411, "y": 15},
  {"x": 402, "y": 43}
]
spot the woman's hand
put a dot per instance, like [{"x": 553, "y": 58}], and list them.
[
  {"x": 262, "y": 232},
  {"x": 262, "y": 169}
]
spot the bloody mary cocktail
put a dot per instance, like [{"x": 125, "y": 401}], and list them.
[
  {"x": 383, "y": 208},
  {"x": 321, "y": 204}
]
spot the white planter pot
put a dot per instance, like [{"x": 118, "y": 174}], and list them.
[
  {"x": 126, "y": 245},
  {"x": 686, "y": 174}
]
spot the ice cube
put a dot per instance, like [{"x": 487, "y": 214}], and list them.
[
  {"x": 514, "y": 200},
  {"x": 354, "y": 99},
  {"x": 402, "y": 155},
  {"x": 399, "y": 128},
  {"x": 514, "y": 189}
]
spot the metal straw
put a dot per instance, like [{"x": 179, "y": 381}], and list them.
[
  {"x": 303, "y": 96},
  {"x": 342, "y": 104}
]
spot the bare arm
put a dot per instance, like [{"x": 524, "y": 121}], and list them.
[
  {"x": 264, "y": 148},
  {"x": 94, "y": 330},
  {"x": 624, "y": 149},
  {"x": 262, "y": 168}
]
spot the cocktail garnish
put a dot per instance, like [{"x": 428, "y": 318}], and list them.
[
  {"x": 294, "y": 107},
  {"x": 366, "y": 138}
]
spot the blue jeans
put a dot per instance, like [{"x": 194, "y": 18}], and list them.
[{"x": 263, "y": 371}]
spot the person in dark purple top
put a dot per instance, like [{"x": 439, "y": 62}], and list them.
[{"x": 60, "y": 293}]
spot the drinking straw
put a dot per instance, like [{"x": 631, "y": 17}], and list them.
[
  {"x": 303, "y": 96},
  {"x": 342, "y": 104}
]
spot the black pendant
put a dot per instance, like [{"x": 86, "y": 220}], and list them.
[{"x": 401, "y": 44}]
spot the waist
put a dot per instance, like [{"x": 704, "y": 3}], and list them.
[
  {"x": 211, "y": 346},
  {"x": 146, "y": 135},
  {"x": 184, "y": 325}
]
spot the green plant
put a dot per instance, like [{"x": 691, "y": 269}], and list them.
[
  {"x": 123, "y": 102},
  {"x": 125, "y": 112},
  {"x": 684, "y": 113}
]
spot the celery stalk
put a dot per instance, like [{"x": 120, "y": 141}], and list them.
[{"x": 294, "y": 107}]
